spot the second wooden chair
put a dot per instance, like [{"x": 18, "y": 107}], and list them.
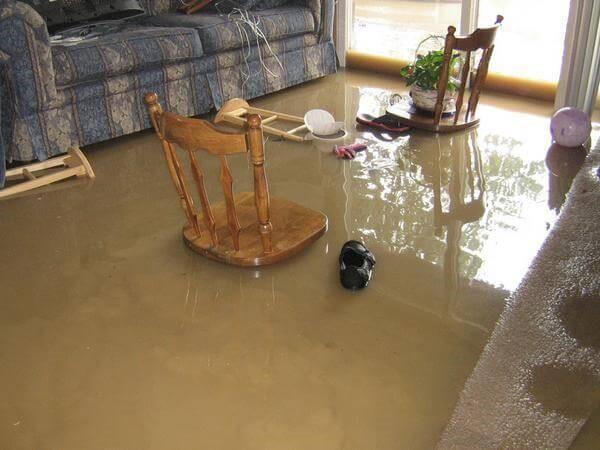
[{"x": 462, "y": 118}]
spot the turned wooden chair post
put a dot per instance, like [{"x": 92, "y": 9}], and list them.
[
  {"x": 482, "y": 71},
  {"x": 444, "y": 74},
  {"x": 480, "y": 39},
  {"x": 173, "y": 164},
  {"x": 237, "y": 230},
  {"x": 261, "y": 188}
]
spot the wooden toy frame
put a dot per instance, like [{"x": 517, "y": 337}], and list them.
[
  {"x": 235, "y": 110},
  {"x": 74, "y": 164}
]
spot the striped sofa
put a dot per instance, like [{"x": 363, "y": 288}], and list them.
[{"x": 53, "y": 96}]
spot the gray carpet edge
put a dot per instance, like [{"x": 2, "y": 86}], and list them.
[{"x": 537, "y": 379}]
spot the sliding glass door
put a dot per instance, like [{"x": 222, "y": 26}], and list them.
[
  {"x": 530, "y": 45},
  {"x": 394, "y": 28},
  {"x": 531, "y": 42}
]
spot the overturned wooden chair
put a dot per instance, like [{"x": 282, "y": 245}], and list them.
[
  {"x": 236, "y": 110},
  {"x": 464, "y": 117},
  {"x": 247, "y": 229}
]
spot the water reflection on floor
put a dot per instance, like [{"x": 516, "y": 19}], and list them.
[
  {"x": 114, "y": 335},
  {"x": 501, "y": 164}
]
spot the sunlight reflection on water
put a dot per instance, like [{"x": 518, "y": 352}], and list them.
[{"x": 496, "y": 248}]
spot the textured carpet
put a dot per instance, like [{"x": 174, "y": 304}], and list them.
[{"x": 538, "y": 378}]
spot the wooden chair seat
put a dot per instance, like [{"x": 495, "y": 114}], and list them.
[
  {"x": 294, "y": 228},
  {"x": 447, "y": 124}
]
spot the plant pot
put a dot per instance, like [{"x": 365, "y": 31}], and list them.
[{"x": 425, "y": 99}]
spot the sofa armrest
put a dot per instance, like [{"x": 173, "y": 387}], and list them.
[
  {"x": 26, "y": 56},
  {"x": 323, "y": 11}
]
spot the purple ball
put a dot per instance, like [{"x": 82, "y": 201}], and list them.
[{"x": 570, "y": 127}]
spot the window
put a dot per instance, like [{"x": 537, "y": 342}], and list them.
[
  {"x": 530, "y": 44},
  {"x": 395, "y": 27}
]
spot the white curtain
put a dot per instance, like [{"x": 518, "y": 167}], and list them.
[{"x": 580, "y": 73}]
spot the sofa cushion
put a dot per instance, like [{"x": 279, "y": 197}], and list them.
[
  {"x": 129, "y": 49},
  {"x": 220, "y": 32}
]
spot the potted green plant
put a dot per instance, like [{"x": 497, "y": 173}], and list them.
[{"x": 423, "y": 77}]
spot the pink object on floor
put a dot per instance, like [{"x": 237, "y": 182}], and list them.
[{"x": 348, "y": 151}]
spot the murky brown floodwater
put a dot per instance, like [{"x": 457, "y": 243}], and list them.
[{"x": 113, "y": 335}]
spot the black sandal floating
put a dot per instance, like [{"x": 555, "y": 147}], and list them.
[
  {"x": 356, "y": 265},
  {"x": 387, "y": 122}
]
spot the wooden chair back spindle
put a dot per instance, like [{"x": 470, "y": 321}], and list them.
[
  {"x": 232, "y": 218},
  {"x": 173, "y": 164},
  {"x": 209, "y": 219},
  {"x": 463, "y": 84}
]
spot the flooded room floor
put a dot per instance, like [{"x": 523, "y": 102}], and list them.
[{"x": 113, "y": 335}]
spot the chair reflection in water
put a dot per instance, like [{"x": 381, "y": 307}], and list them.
[
  {"x": 249, "y": 228},
  {"x": 466, "y": 192}
]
